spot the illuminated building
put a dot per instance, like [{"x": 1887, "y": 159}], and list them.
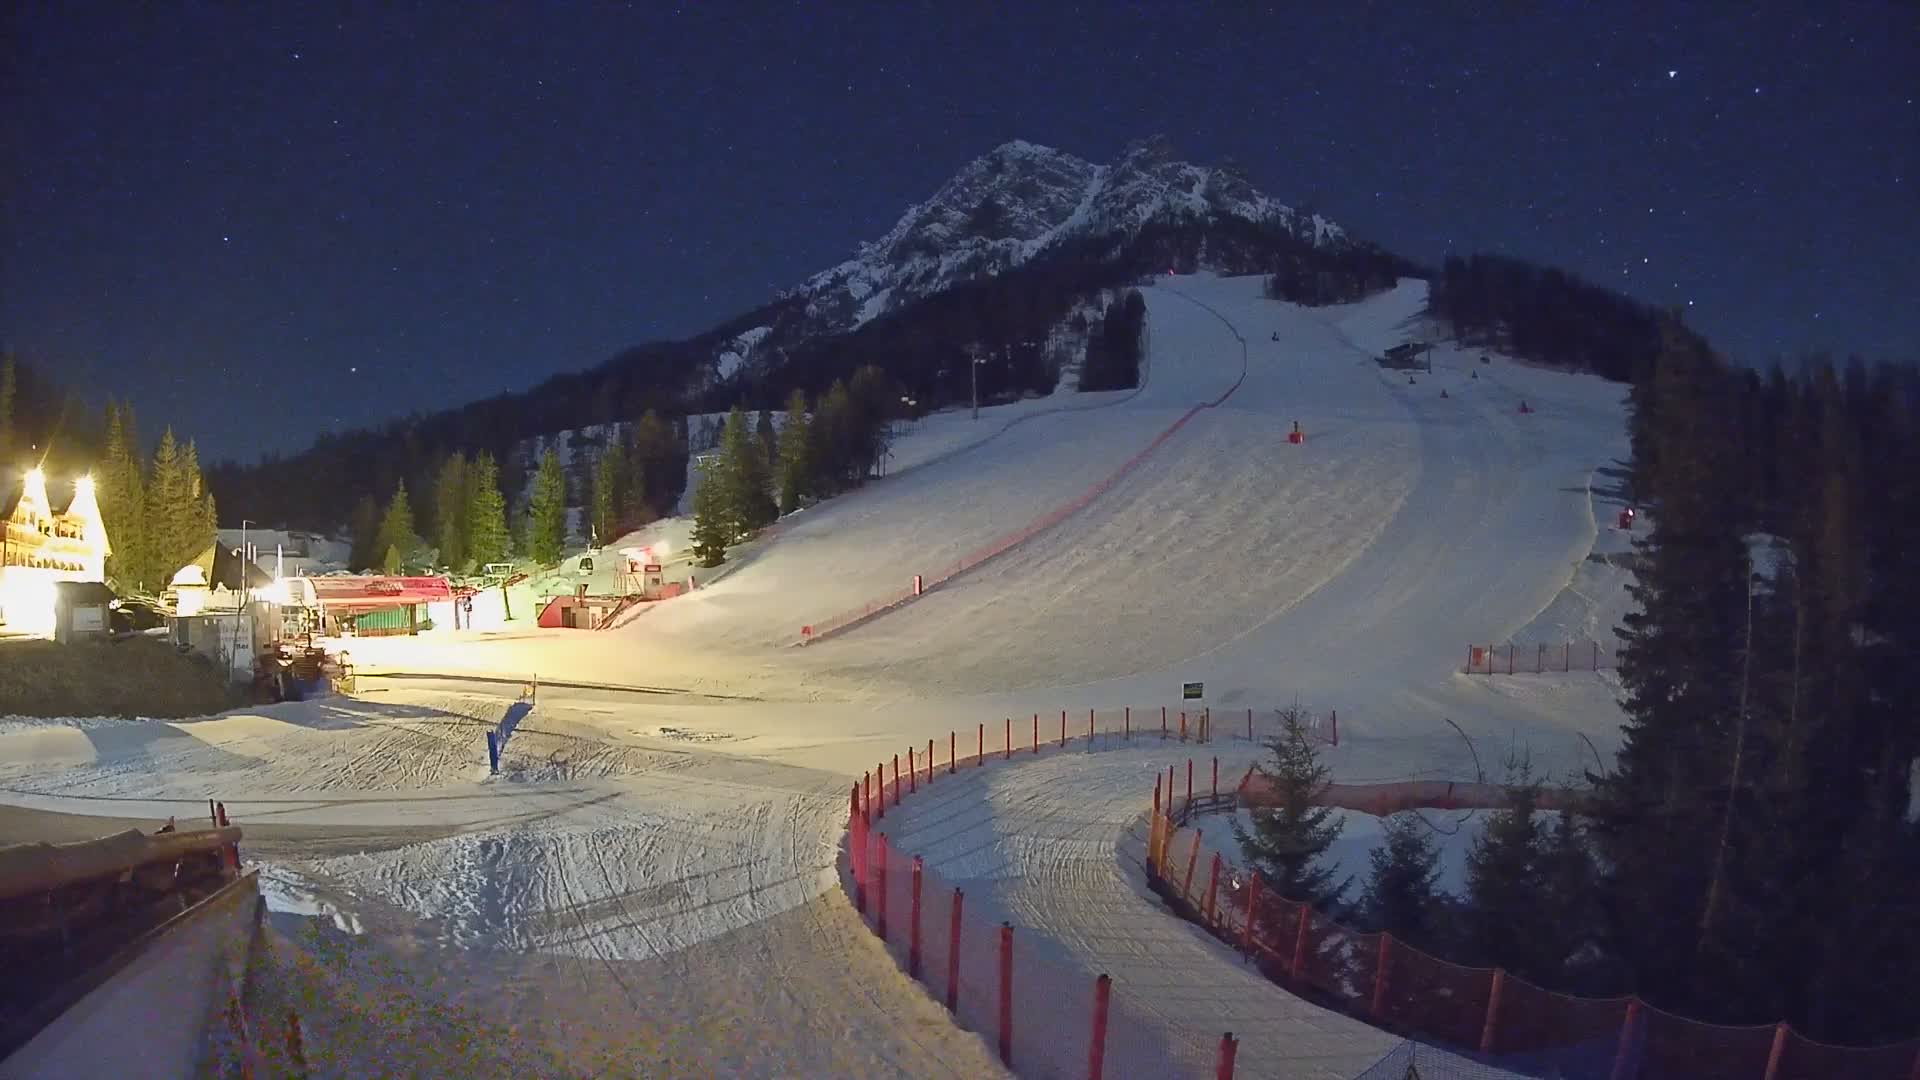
[{"x": 39, "y": 547}]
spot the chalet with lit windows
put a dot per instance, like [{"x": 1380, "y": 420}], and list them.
[{"x": 39, "y": 547}]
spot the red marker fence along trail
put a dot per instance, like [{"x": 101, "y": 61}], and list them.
[
  {"x": 1540, "y": 658},
  {"x": 921, "y": 584},
  {"x": 1040, "y": 1011},
  {"x": 1502, "y": 1019}
]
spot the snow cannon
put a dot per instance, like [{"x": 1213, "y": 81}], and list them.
[
  {"x": 1296, "y": 436},
  {"x": 1626, "y": 519}
]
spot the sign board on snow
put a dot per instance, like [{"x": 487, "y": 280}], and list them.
[
  {"x": 652, "y": 568},
  {"x": 1192, "y": 691}
]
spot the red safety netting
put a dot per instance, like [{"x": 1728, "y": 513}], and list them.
[
  {"x": 1497, "y": 1019},
  {"x": 1540, "y": 657},
  {"x": 1026, "y": 995}
]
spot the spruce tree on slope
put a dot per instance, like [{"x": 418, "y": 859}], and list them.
[
  {"x": 712, "y": 521},
  {"x": 1657, "y": 815},
  {"x": 396, "y": 540},
  {"x": 486, "y": 528},
  {"x": 609, "y": 492},
  {"x": 167, "y": 512},
  {"x": 122, "y": 497},
  {"x": 363, "y": 525},
  {"x": 743, "y": 479},
  {"x": 795, "y": 469},
  {"x": 547, "y": 512},
  {"x": 451, "y": 491},
  {"x": 1401, "y": 897},
  {"x": 1505, "y": 918},
  {"x": 1288, "y": 838}
]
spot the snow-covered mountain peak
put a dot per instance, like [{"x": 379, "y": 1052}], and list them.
[{"x": 1020, "y": 199}]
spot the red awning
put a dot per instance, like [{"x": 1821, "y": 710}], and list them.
[{"x": 369, "y": 592}]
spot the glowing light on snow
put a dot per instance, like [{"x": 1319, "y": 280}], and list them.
[{"x": 27, "y": 599}]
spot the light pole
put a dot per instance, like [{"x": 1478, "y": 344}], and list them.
[
  {"x": 246, "y": 593},
  {"x": 973, "y": 376}
]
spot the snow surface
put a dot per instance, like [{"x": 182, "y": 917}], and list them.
[{"x": 672, "y": 808}]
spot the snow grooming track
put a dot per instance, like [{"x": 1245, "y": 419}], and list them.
[
  {"x": 848, "y": 620},
  {"x": 1056, "y": 846}
]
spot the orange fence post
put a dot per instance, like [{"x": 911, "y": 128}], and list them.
[
  {"x": 1006, "y": 994},
  {"x": 1213, "y": 886},
  {"x": 1253, "y": 910},
  {"x": 913, "y": 934},
  {"x": 953, "y": 952},
  {"x": 1189, "y": 785},
  {"x": 1036, "y": 733},
  {"x": 1777, "y": 1051},
  {"x": 1300, "y": 944},
  {"x": 1097, "y": 1045},
  {"x": 1223, "y": 1066},
  {"x": 896, "y": 778},
  {"x": 880, "y": 886},
  {"x": 1169, "y": 791},
  {"x": 1193, "y": 860},
  {"x": 1623, "y": 1055},
  {"x": 1493, "y": 1010},
  {"x": 1381, "y": 962},
  {"x": 1089, "y": 727},
  {"x": 913, "y": 773}
]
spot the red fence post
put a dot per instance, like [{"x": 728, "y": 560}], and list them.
[
  {"x": 880, "y": 781},
  {"x": 1623, "y": 1055},
  {"x": 1300, "y": 944},
  {"x": 1189, "y": 784},
  {"x": 880, "y": 886},
  {"x": 1036, "y": 733},
  {"x": 930, "y": 758},
  {"x": 1380, "y": 964},
  {"x": 212, "y": 818},
  {"x": 1223, "y": 1066},
  {"x": 953, "y": 751},
  {"x": 913, "y": 773},
  {"x": 1170, "y": 791},
  {"x": 1089, "y": 727},
  {"x": 1253, "y": 910},
  {"x": 1097, "y": 1045},
  {"x": 953, "y": 952},
  {"x": 913, "y": 940},
  {"x": 1777, "y": 1051},
  {"x": 980, "y": 751},
  {"x": 896, "y": 779},
  {"x": 1493, "y": 1010},
  {"x": 1006, "y": 994},
  {"x": 1213, "y": 887}
]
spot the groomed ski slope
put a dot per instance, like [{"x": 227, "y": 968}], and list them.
[{"x": 656, "y": 854}]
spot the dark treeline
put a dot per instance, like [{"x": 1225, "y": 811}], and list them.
[
  {"x": 1116, "y": 345},
  {"x": 1547, "y": 316}
]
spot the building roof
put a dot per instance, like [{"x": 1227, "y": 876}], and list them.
[{"x": 376, "y": 591}]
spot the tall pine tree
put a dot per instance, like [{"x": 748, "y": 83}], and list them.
[
  {"x": 713, "y": 523},
  {"x": 794, "y": 467},
  {"x": 547, "y": 512},
  {"x": 451, "y": 492},
  {"x": 1288, "y": 838},
  {"x": 1401, "y": 895},
  {"x": 122, "y": 494},
  {"x": 744, "y": 475},
  {"x": 397, "y": 540},
  {"x": 486, "y": 534}
]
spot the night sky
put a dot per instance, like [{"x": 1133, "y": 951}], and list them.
[{"x": 260, "y": 222}]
